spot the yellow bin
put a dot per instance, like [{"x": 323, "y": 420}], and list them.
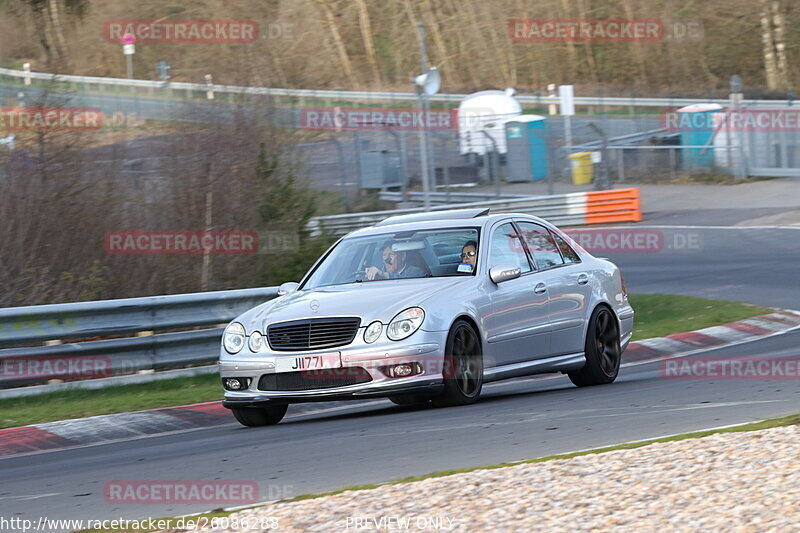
[{"x": 582, "y": 168}]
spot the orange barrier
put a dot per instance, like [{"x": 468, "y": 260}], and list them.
[{"x": 618, "y": 205}]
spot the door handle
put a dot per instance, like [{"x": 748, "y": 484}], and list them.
[
  {"x": 540, "y": 288},
  {"x": 583, "y": 279}
]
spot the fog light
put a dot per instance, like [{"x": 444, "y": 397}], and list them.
[
  {"x": 236, "y": 383},
  {"x": 403, "y": 370}
]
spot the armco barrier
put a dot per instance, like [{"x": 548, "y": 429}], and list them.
[
  {"x": 573, "y": 209},
  {"x": 22, "y": 326}
]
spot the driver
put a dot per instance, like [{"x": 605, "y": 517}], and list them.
[{"x": 396, "y": 266}]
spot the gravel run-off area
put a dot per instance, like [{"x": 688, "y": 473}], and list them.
[{"x": 727, "y": 482}]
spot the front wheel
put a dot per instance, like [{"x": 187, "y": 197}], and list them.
[
  {"x": 463, "y": 367},
  {"x": 259, "y": 416},
  {"x": 603, "y": 353}
]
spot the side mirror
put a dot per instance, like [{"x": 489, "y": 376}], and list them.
[
  {"x": 288, "y": 287},
  {"x": 500, "y": 273}
]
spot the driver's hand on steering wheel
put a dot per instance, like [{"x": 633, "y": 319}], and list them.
[{"x": 374, "y": 272}]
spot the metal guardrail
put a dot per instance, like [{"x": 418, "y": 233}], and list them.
[
  {"x": 20, "y": 326},
  {"x": 573, "y": 209},
  {"x": 592, "y": 101},
  {"x": 445, "y": 197}
]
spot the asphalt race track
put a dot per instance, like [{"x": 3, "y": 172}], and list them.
[
  {"x": 759, "y": 265},
  {"x": 376, "y": 441}
]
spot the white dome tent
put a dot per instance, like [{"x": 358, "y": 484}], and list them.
[{"x": 485, "y": 111}]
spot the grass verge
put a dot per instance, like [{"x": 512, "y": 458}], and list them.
[
  {"x": 791, "y": 420},
  {"x": 656, "y": 315},
  {"x": 81, "y": 403}
]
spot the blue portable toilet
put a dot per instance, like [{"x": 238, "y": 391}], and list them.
[
  {"x": 526, "y": 156},
  {"x": 696, "y": 129}
]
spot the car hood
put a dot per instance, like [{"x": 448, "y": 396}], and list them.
[{"x": 377, "y": 300}]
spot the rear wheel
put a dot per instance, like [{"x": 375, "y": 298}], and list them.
[
  {"x": 603, "y": 353},
  {"x": 260, "y": 416},
  {"x": 463, "y": 367}
]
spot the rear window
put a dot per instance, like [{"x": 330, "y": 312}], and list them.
[
  {"x": 570, "y": 256},
  {"x": 541, "y": 244}
]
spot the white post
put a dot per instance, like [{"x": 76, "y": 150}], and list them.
[
  {"x": 551, "y": 91},
  {"x": 209, "y": 87},
  {"x": 567, "y": 105},
  {"x": 423, "y": 155},
  {"x": 423, "y": 137},
  {"x": 129, "y": 50},
  {"x": 736, "y": 98},
  {"x": 27, "y": 68}
]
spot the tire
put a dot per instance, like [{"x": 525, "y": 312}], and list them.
[
  {"x": 409, "y": 399},
  {"x": 463, "y": 367},
  {"x": 260, "y": 416},
  {"x": 603, "y": 353}
]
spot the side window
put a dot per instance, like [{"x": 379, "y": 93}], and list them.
[
  {"x": 541, "y": 244},
  {"x": 507, "y": 248},
  {"x": 570, "y": 256}
]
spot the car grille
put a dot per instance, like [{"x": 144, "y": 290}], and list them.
[
  {"x": 314, "y": 379},
  {"x": 314, "y": 333}
]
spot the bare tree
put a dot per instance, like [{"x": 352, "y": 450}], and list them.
[
  {"x": 773, "y": 43},
  {"x": 333, "y": 27},
  {"x": 369, "y": 44}
]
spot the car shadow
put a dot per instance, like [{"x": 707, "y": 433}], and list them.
[{"x": 492, "y": 394}]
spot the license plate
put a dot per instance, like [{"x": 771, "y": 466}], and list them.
[{"x": 307, "y": 362}]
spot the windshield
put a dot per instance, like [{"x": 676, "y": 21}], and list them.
[{"x": 402, "y": 255}]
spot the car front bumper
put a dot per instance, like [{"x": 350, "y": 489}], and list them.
[{"x": 423, "y": 347}]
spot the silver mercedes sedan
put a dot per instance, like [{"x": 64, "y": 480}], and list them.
[{"x": 426, "y": 308}]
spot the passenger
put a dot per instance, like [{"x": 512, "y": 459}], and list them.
[
  {"x": 469, "y": 253},
  {"x": 396, "y": 266},
  {"x": 469, "y": 256}
]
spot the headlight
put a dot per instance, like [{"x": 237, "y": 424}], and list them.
[
  {"x": 405, "y": 323},
  {"x": 256, "y": 342},
  {"x": 373, "y": 332},
  {"x": 233, "y": 338}
]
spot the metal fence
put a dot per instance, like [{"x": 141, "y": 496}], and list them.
[
  {"x": 102, "y": 330},
  {"x": 184, "y": 90},
  {"x": 348, "y": 161}
]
